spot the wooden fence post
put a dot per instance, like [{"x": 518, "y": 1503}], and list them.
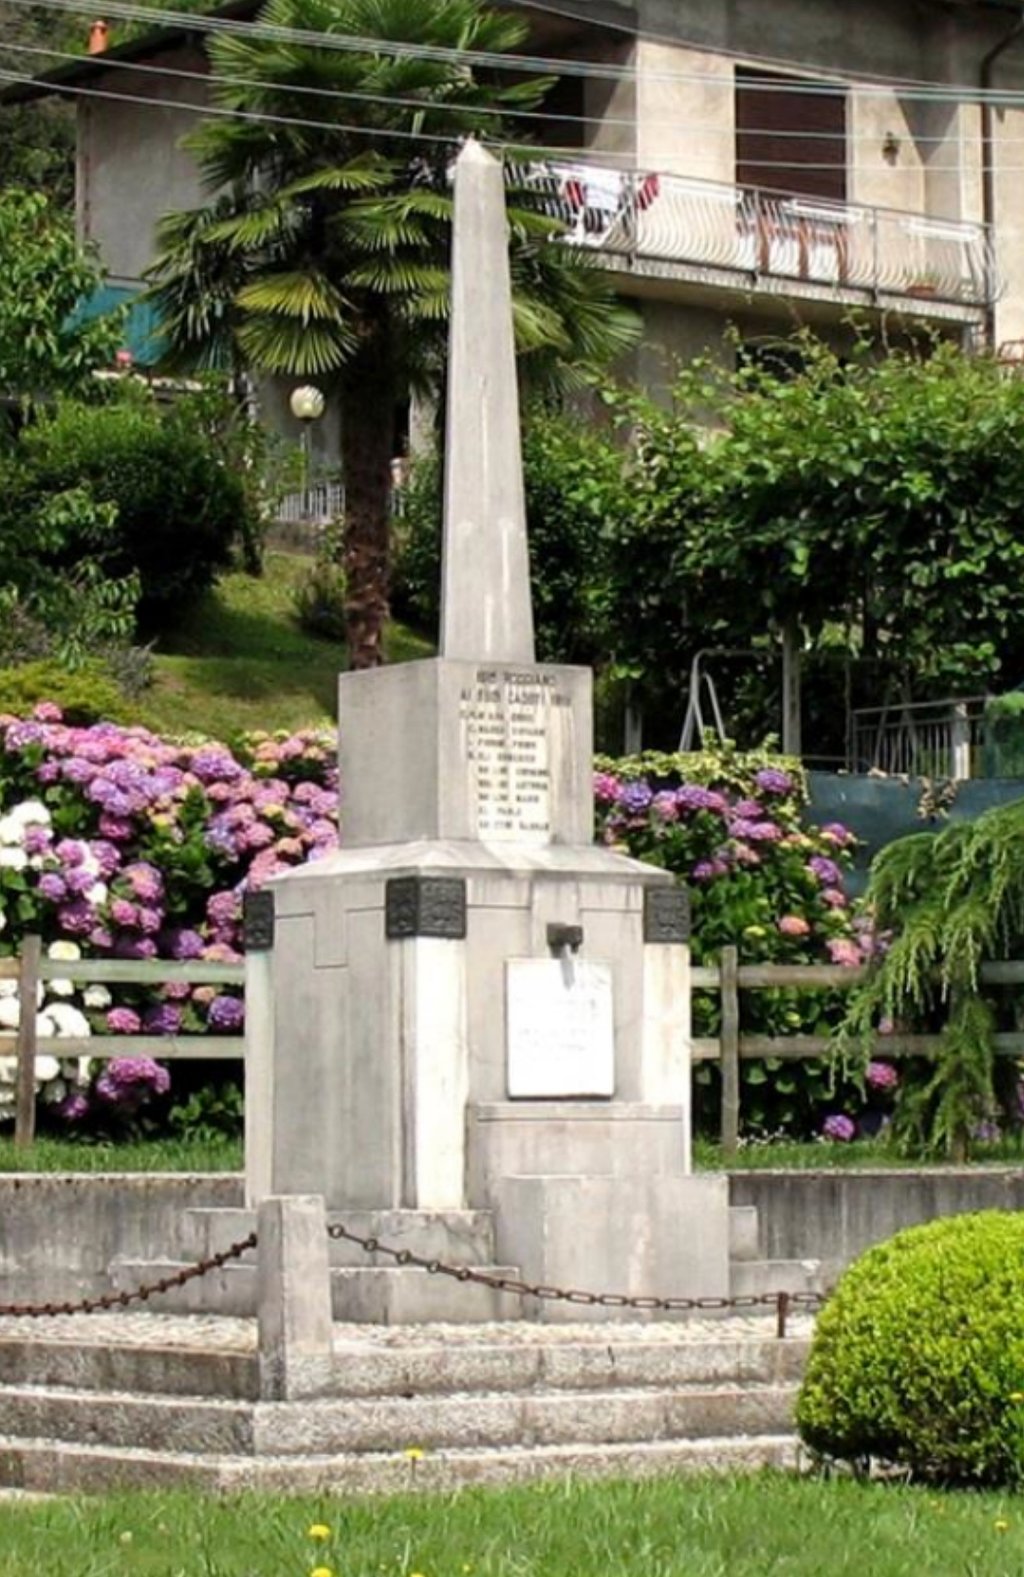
[
  {"x": 730, "y": 1049},
  {"x": 28, "y": 983}
]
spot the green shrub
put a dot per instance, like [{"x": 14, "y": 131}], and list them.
[
  {"x": 319, "y": 595},
  {"x": 88, "y": 695},
  {"x": 178, "y": 507},
  {"x": 918, "y": 1358}
]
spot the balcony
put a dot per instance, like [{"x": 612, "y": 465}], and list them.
[{"x": 708, "y": 233}]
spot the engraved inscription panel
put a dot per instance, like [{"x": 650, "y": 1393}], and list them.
[
  {"x": 561, "y": 1039},
  {"x": 506, "y": 717}
]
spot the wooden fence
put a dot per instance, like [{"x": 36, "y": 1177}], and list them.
[
  {"x": 729, "y": 977},
  {"x": 32, "y": 969}
]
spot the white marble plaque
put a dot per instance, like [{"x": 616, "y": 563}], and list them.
[
  {"x": 506, "y": 722},
  {"x": 560, "y": 1030}
]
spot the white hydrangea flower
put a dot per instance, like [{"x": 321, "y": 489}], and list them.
[
  {"x": 8, "y": 1070},
  {"x": 64, "y": 950},
  {"x": 97, "y": 997},
  {"x": 31, "y": 813},
  {"x": 68, "y": 1020},
  {"x": 97, "y": 893},
  {"x": 10, "y": 1012},
  {"x": 47, "y": 1068},
  {"x": 45, "y": 1028},
  {"x": 61, "y": 988},
  {"x": 12, "y": 831},
  {"x": 11, "y": 858},
  {"x": 3, "y": 920},
  {"x": 8, "y": 988}
]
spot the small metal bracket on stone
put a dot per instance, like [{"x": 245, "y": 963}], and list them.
[
  {"x": 562, "y": 938},
  {"x": 258, "y": 921},
  {"x": 666, "y": 914},
  {"x": 425, "y": 906}
]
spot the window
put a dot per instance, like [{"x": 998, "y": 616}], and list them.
[{"x": 789, "y": 139}]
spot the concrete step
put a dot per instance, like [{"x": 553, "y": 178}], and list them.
[
  {"x": 52, "y": 1466},
  {"x": 167, "y": 1371},
  {"x": 189, "y": 1425},
  {"x": 373, "y": 1296},
  {"x": 748, "y": 1278},
  {"x": 426, "y": 1368},
  {"x": 744, "y": 1232},
  {"x": 456, "y": 1237}
]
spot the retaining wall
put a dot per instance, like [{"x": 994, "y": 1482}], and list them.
[
  {"x": 833, "y": 1216},
  {"x": 59, "y": 1231}
]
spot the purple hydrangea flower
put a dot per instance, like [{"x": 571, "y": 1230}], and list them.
[
  {"x": 826, "y": 870},
  {"x": 691, "y": 797},
  {"x": 772, "y": 780},
  {"x": 73, "y": 1108},
  {"x": 635, "y": 797},
  {"x": 881, "y": 1076},
  {"x": 162, "y": 1019},
  {"x": 123, "y": 1021},
  {"x": 839, "y": 1128},
  {"x": 145, "y": 880},
  {"x": 226, "y": 1013},
  {"x": 52, "y": 888},
  {"x": 185, "y": 944}
]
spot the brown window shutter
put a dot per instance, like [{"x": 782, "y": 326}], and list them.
[{"x": 811, "y": 163}]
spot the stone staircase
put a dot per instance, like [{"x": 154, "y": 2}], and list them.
[
  {"x": 88, "y": 1403},
  {"x": 371, "y": 1289}
]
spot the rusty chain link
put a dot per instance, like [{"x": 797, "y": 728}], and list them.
[
  {"x": 121, "y": 1300},
  {"x": 783, "y": 1303}
]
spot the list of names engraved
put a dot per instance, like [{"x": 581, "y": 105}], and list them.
[{"x": 506, "y": 717}]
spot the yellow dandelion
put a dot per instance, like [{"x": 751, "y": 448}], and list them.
[
  {"x": 414, "y": 1454},
  {"x": 321, "y": 1571},
  {"x": 319, "y": 1530},
  {"x": 1002, "y": 1525}
]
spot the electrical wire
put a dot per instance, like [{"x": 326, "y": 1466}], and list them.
[
  {"x": 428, "y": 105},
  {"x": 585, "y": 157},
  {"x": 504, "y": 61}
]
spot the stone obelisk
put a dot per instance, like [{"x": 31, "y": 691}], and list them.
[{"x": 470, "y": 1005}]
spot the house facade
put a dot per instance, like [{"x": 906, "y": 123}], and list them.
[{"x": 732, "y": 163}]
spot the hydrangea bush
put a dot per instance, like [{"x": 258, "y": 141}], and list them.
[
  {"x": 761, "y": 878},
  {"x": 117, "y": 843}
]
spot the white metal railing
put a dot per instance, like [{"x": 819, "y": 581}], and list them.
[
  {"x": 316, "y": 505},
  {"x": 685, "y": 220},
  {"x": 919, "y": 738}
]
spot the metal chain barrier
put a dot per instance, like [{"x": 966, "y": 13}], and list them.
[
  {"x": 783, "y": 1303},
  {"x": 121, "y": 1300}
]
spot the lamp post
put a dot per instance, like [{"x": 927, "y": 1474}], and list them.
[{"x": 307, "y": 406}]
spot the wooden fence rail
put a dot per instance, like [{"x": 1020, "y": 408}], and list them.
[
  {"x": 731, "y": 1046},
  {"x": 32, "y": 969},
  {"x": 729, "y": 977}
]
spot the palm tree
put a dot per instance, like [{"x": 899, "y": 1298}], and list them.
[{"x": 324, "y": 251}]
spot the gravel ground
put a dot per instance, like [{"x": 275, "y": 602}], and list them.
[{"x": 217, "y": 1333}]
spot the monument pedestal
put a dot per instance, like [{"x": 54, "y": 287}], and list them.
[{"x": 469, "y": 1005}]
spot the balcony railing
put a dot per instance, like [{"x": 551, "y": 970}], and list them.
[
  {"x": 943, "y": 739},
  {"x": 680, "y": 220}
]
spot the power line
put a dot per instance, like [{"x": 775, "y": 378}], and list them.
[
  {"x": 585, "y": 157},
  {"x": 505, "y": 61},
  {"x": 430, "y": 105},
  {"x": 742, "y": 57}
]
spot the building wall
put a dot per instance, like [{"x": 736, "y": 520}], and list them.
[{"x": 131, "y": 167}]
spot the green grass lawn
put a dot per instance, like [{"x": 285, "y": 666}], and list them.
[
  {"x": 239, "y": 661},
  {"x": 150, "y": 1155},
  {"x": 813, "y": 1156},
  {"x": 708, "y": 1527}
]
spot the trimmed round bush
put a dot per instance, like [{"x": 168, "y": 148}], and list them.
[
  {"x": 84, "y": 696},
  {"x": 918, "y": 1358}
]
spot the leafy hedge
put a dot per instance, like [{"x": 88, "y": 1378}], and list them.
[
  {"x": 918, "y": 1358},
  {"x": 116, "y": 842}
]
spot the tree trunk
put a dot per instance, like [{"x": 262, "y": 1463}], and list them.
[{"x": 367, "y": 416}]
